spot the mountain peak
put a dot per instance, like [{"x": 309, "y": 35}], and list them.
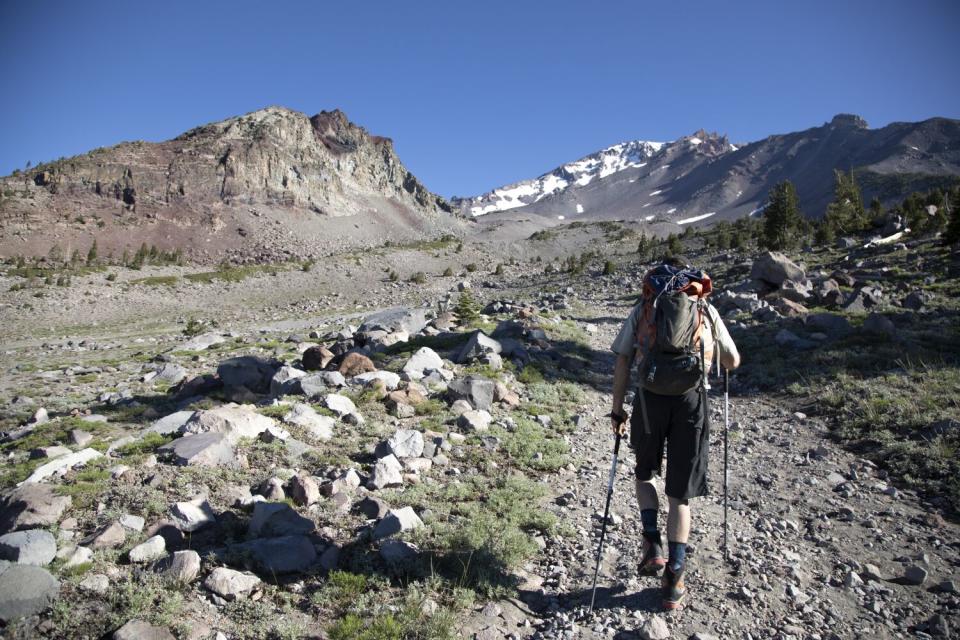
[{"x": 849, "y": 120}]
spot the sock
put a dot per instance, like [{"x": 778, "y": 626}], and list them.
[
  {"x": 678, "y": 555},
  {"x": 650, "y": 531}
]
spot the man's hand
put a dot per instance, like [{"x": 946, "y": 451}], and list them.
[{"x": 619, "y": 423}]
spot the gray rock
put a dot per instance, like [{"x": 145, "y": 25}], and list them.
[
  {"x": 231, "y": 585},
  {"x": 53, "y": 451},
  {"x": 406, "y": 443},
  {"x": 250, "y": 372},
  {"x": 272, "y": 489},
  {"x": 25, "y": 590},
  {"x": 424, "y": 359},
  {"x": 107, "y": 537},
  {"x": 284, "y": 554},
  {"x": 879, "y": 324},
  {"x": 172, "y": 423},
  {"x": 412, "y": 321},
  {"x": 142, "y": 630},
  {"x": 318, "y": 426},
  {"x": 182, "y": 566},
  {"x": 314, "y": 385},
  {"x": 170, "y": 373},
  {"x": 915, "y": 575},
  {"x": 829, "y": 323},
  {"x": 61, "y": 465},
  {"x": 913, "y": 300},
  {"x": 202, "y": 342},
  {"x": 372, "y": 508},
  {"x": 398, "y": 554},
  {"x": 35, "y": 547},
  {"x": 476, "y": 390},
  {"x": 474, "y": 420},
  {"x": 347, "y": 482},
  {"x": 339, "y": 404},
  {"x": 388, "y": 379},
  {"x": 202, "y": 450},
  {"x": 286, "y": 381},
  {"x": 396, "y": 521},
  {"x": 774, "y": 267},
  {"x": 273, "y": 519},
  {"x": 654, "y": 628},
  {"x": 96, "y": 583},
  {"x": 30, "y": 506},
  {"x": 386, "y": 472},
  {"x": 828, "y": 293},
  {"x": 234, "y": 421},
  {"x": 477, "y": 346},
  {"x": 304, "y": 490},
  {"x": 80, "y": 438},
  {"x": 132, "y": 522},
  {"x": 192, "y": 515},
  {"x": 151, "y": 549},
  {"x": 79, "y": 555}
]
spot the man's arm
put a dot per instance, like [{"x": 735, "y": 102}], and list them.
[{"x": 621, "y": 378}]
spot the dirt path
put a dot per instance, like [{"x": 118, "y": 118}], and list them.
[{"x": 806, "y": 521}]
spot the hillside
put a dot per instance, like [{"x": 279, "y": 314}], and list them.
[
  {"x": 703, "y": 177},
  {"x": 272, "y": 184}
]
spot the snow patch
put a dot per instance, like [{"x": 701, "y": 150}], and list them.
[
  {"x": 561, "y": 217},
  {"x": 694, "y": 141},
  {"x": 655, "y": 193},
  {"x": 672, "y": 210},
  {"x": 649, "y": 218},
  {"x": 579, "y": 208},
  {"x": 697, "y": 218},
  {"x": 757, "y": 211},
  {"x": 645, "y": 206}
]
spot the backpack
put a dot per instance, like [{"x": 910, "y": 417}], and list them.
[{"x": 669, "y": 347}]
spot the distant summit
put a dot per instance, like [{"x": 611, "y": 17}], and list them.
[
  {"x": 703, "y": 177},
  {"x": 270, "y": 184}
]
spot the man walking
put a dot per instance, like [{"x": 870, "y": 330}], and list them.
[{"x": 670, "y": 406}]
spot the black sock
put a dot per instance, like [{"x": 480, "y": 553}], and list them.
[
  {"x": 650, "y": 531},
  {"x": 678, "y": 556}
]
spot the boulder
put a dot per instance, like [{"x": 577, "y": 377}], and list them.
[
  {"x": 372, "y": 508},
  {"x": 276, "y": 519},
  {"x": 232, "y": 420},
  {"x": 249, "y": 372},
  {"x": 406, "y": 443},
  {"x": 789, "y": 309},
  {"x": 34, "y": 547},
  {"x": 25, "y": 590},
  {"x": 202, "y": 449},
  {"x": 315, "y": 384},
  {"x": 192, "y": 515},
  {"x": 787, "y": 338},
  {"x": 286, "y": 381},
  {"x": 202, "y": 342},
  {"x": 33, "y": 505},
  {"x": 387, "y": 379},
  {"x": 79, "y": 556},
  {"x": 272, "y": 489},
  {"x": 654, "y": 628},
  {"x": 476, "y": 390},
  {"x": 303, "y": 415},
  {"x": 61, "y": 465},
  {"x": 304, "y": 490},
  {"x": 280, "y": 555},
  {"x": 172, "y": 423},
  {"x": 477, "y": 346},
  {"x": 356, "y": 363},
  {"x": 151, "y": 549},
  {"x": 474, "y": 420},
  {"x": 396, "y": 521},
  {"x": 182, "y": 566},
  {"x": 80, "y": 437},
  {"x": 879, "y": 324},
  {"x": 411, "y": 321},
  {"x": 773, "y": 268},
  {"x": 52, "y": 451},
  {"x": 316, "y": 358},
  {"x": 339, "y": 404},
  {"x": 913, "y": 300},
  {"x": 347, "y": 482},
  {"x": 106, "y": 537},
  {"x": 424, "y": 359},
  {"x": 796, "y": 291},
  {"x": 170, "y": 374},
  {"x": 142, "y": 630},
  {"x": 230, "y": 584},
  {"x": 386, "y": 472},
  {"x": 829, "y": 323},
  {"x": 828, "y": 293},
  {"x": 398, "y": 554}
]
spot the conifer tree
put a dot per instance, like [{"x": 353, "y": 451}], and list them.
[
  {"x": 92, "y": 254},
  {"x": 781, "y": 218},
  {"x": 845, "y": 214}
]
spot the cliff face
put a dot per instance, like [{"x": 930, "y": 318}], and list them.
[{"x": 211, "y": 178}]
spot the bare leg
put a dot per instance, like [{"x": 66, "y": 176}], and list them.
[
  {"x": 646, "y": 494},
  {"x": 678, "y": 520}
]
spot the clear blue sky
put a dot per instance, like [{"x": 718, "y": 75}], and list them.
[{"x": 474, "y": 94}]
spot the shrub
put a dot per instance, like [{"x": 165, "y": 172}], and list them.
[{"x": 419, "y": 277}]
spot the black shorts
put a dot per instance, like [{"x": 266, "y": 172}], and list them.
[{"x": 683, "y": 425}]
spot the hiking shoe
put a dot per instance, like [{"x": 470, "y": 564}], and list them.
[
  {"x": 653, "y": 561},
  {"x": 673, "y": 589}
]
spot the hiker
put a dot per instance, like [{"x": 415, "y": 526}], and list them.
[{"x": 672, "y": 338}]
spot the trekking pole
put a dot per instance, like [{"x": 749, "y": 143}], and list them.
[
  {"x": 606, "y": 513},
  {"x": 726, "y": 428}
]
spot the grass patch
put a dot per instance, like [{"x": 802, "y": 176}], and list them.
[{"x": 156, "y": 281}]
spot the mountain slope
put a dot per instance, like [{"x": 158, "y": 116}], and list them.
[
  {"x": 270, "y": 184},
  {"x": 703, "y": 176}
]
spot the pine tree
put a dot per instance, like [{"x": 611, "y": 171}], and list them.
[
  {"x": 674, "y": 246},
  {"x": 467, "y": 308},
  {"x": 781, "y": 218},
  {"x": 92, "y": 254},
  {"x": 845, "y": 214},
  {"x": 952, "y": 204}
]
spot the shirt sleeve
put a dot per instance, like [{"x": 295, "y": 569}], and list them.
[
  {"x": 726, "y": 345},
  {"x": 624, "y": 343}
]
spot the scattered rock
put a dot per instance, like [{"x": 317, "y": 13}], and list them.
[
  {"x": 356, "y": 363},
  {"x": 172, "y": 423},
  {"x": 406, "y": 443},
  {"x": 654, "y": 628},
  {"x": 477, "y": 346},
  {"x": 192, "y": 515},
  {"x": 96, "y": 583},
  {"x": 879, "y": 324},
  {"x": 231, "y": 585},
  {"x": 33, "y": 505},
  {"x": 424, "y": 359},
  {"x": 203, "y": 449},
  {"x": 141, "y": 630},
  {"x": 276, "y": 519},
  {"x": 286, "y": 381},
  {"x": 182, "y": 566},
  {"x": 474, "y": 420},
  {"x": 476, "y": 390},
  {"x": 304, "y": 490},
  {"x": 152, "y": 549},
  {"x": 339, "y": 404},
  {"x": 61, "y": 465},
  {"x": 232, "y": 420},
  {"x": 316, "y": 358},
  {"x": 387, "y": 472},
  {"x": 395, "y": 521},
  {"x": 774, "y": 267},
  {"x": 25, "y": 590},
  {"x": 107, "y": 537},
  {"x": 279, "y": 555},
  {"x": 915, "y": 575},
  {"x": 398, "y": 553},
  {"x": 248, "y": 372},
  {"x": 34, "y": 547}
]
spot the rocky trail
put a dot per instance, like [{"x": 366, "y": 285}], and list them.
[{"x": 430, "y": 472}]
